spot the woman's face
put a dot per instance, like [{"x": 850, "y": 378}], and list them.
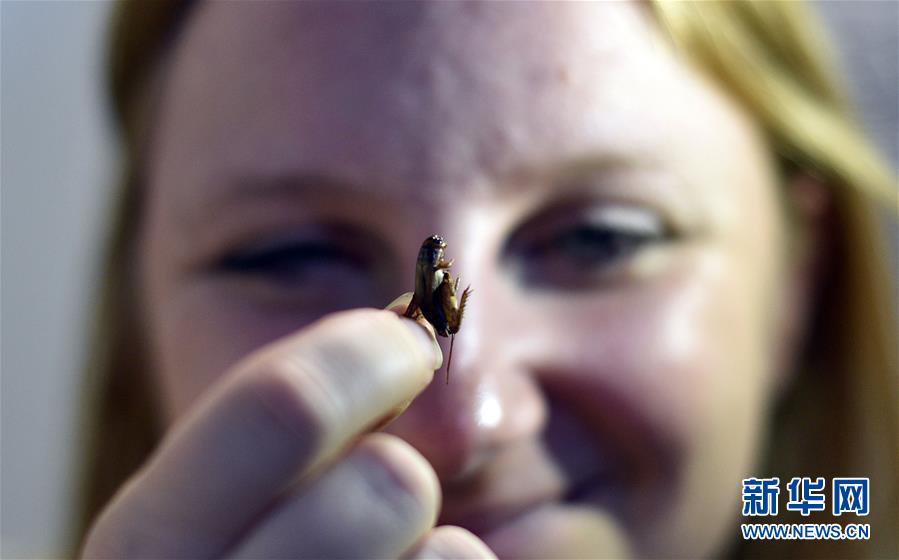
[{"x": 614, "y": 212}]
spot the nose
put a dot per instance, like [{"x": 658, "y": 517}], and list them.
[{"x": 490, "y": 401}]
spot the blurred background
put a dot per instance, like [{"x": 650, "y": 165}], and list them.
[{"x": 58, "y": 161}]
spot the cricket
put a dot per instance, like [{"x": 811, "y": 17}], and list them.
[{"x": 435, "y": 292}]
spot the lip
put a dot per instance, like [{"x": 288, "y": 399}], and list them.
[
  {"x": 482, "y": 519},
  {"x": 579, "y": 462},
  {"x": 605, "y": 481}
]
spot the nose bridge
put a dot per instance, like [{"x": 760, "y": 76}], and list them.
[
  {"x": 470, "y": 246},
  {"x": 490, "y": 399},
  {"x": 479, "y": 344}
]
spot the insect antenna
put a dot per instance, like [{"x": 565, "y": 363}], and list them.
[{"x": 449, "y": 360}]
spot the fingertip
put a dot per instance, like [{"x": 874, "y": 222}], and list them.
[
  {"x": 408, "y": 470},
  {"x": 452, "y": 542},
  {"x": 399, "y": 306},
  {"x": 426, "y": 335}
]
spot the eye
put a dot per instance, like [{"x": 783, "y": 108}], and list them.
[
  {"x": 605, "y": 235},
  {"x": 576, "y": 247},
  {"x": 292, "y": 260},
  {"x": 320, "y": 268}
]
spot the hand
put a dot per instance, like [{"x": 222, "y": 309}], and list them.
[{"x": 277, "y": 459}]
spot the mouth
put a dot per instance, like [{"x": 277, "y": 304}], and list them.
[
  {"x": 579, "y": 463},
  {"x": 486, "y": 518},
  {"x": 482, "y": 522},
  {"x": 594, "y": 490}
]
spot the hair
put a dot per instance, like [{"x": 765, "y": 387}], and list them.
[{"x": 841, "y": 414}]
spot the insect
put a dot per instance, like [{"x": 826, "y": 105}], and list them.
[{"x": 435, "y": 293}]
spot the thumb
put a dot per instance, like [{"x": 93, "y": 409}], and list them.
[{"x": 399, "y": 306}]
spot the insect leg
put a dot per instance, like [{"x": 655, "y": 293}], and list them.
[
  {"x": 456, "y": 320},
  {"x": 413, "y": 310}
]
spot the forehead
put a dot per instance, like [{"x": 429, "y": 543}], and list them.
[{"x": 416, "y": 96}]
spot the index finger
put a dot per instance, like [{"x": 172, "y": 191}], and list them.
[{"x": 282, "y": 412}]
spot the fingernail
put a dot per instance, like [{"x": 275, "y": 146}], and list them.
[
  {"x": 450, "y": 542},
  {"x": 391, "y": 416},
  {"x": 400, "y": 303},
  {"x": 427, "y": 341}
]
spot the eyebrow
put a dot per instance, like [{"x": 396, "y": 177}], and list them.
[
  {"x": 605, "y": 162},
  {"x": 664, "y": 183},
  {"x": 249, "y": 186},
  {"x": 235, "y": 190},
  {"x": 244, "y": 187}
]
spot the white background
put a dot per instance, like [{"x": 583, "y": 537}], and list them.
[{"x": 58, "y": 157}]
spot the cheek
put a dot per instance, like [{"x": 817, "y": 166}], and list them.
[
  {"x": 684, "y": 347},
  {"x": 686, "y": 354},
  {"x": 700, "y": 368},
  {"x": 692, "y": 350},
  {"x": 199, "y": 331}
]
